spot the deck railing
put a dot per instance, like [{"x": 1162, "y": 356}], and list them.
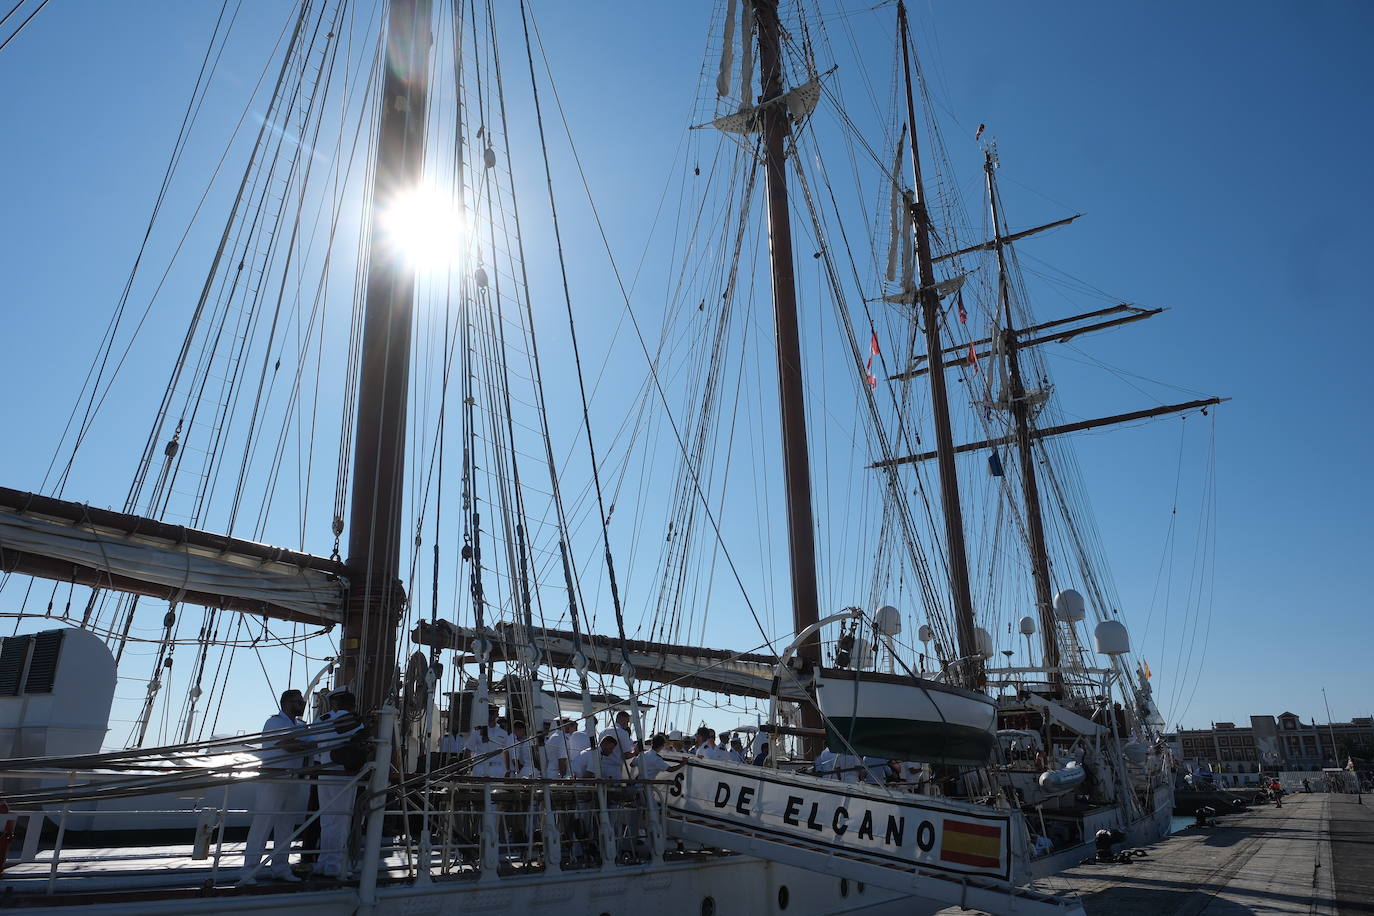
[{"x": 452, "y": 828}]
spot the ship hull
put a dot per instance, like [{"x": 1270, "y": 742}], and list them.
[{"x": 725, "y": 885}]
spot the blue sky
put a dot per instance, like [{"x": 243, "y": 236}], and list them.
[{"x": 1216, "y": 150}]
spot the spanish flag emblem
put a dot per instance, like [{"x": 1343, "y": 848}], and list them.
[{"x": 978, "y": 845}]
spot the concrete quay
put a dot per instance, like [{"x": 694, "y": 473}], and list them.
[{"x": 1315, "y": 855}]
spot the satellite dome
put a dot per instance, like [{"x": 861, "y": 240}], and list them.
[
  {"x": 925, "y": 633},
  {"x": 1068, "y": 606},
  {"x": 887, "y": 620},
  {"x": 1027, "y": 626},
  {"x": 983, "y": 640},
  {"x": 1111, "y": 638}
]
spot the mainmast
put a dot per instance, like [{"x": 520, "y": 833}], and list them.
[
  {"x": 929, "y": 299},
  {"x": 376, "y": 595},
  {"x": 796, "y": 461},
  {"x": 1020, "y": 412}
]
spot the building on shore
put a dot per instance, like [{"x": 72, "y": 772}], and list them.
[{"x": 1239, "y": 754}]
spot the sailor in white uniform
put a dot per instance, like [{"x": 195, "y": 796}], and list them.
[
  {"x": 452, "y": 743},
  {"x": 335, "y": 785},
  {"x": 620, "y": 731},
  {"x": 580, "y": 740},
  {"x": 557, "y": 763},
  {"x": 520, "y": 752},
  {"x": 650, "y": 763},
  {"x": 488, "y": 744},
  {"x": 707, "y": 747},
  {"x": 279, "y": 804}
]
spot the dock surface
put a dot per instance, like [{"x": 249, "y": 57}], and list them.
[{"x": 1315, "y": 855}]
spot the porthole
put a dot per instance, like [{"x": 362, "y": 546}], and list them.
[
  {"x": 783, "y": 897},
  {"x": 860, "y": 886},
  {"x": 844, "y": 887},
  {"x": 708, "y": 906}
]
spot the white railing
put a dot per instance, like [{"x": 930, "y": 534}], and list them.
[{"x": 457, "y": 828}]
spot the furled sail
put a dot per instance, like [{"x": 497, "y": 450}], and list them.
[
  {"x": 71, "y": 542},
  {"x": 800, "y": 102},
  {"x": 718, "y": 670}
]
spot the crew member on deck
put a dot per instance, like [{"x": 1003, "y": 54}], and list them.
[
  {"x": 620, "y": 731},
  {"x": 599, "y": 762},
  {"x": 488, "y": 744},
  {"x": 736, "y": 752},
  {"x": 279, "y": 803},
  {"x": 520, "y": 753},
  {"x": 337, "y": 789},
  {"x": 557, "y": 760},
  {"x": 651, "y": 763},
  {"x": 580, "y": 740}
]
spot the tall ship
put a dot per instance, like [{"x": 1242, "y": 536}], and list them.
[{"x": 936, "y": 705}]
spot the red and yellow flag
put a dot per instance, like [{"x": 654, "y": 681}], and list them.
[{"x": 979, "y": 845}]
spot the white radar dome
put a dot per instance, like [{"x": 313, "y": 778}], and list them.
[
  {"x": 925, "y": 633},
  {"x": 1111, "y": 638},
  {"x": 983, "y": 640},
  {"x": 887, "y": 620},
  {"x": 1068, "y": 606},
  {"x": 1027, "y": 626}
]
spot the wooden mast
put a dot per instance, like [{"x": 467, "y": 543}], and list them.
[
  {"x": 944, "y": 435},
  {"x": 796, "y": 461},
  {"x": 1020, "y": 412},
  {"x": 376, "y": 597}
]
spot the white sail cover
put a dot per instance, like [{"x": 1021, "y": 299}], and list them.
[
  {"x": 736, "y": 673},
  {"x": 181, "y": 567},
  {"x": 800, "y": 102},
  {"x": 943, "y": 289}
]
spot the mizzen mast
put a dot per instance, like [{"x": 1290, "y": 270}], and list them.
[
  {"x": 929, "y": 299},
  {"x": 1021, "y": 418},
  {"x": 376, "y": 596}
]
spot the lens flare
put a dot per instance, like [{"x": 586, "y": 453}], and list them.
[{"x": 426, "y": 227}]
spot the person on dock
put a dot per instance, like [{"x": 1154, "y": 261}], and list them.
[{"x": 279, "y": 803}]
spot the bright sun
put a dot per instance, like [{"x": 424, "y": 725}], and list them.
[{"x": 425, "y": 226}]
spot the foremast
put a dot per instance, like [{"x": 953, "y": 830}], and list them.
[{"x": 376, "y": 595}]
